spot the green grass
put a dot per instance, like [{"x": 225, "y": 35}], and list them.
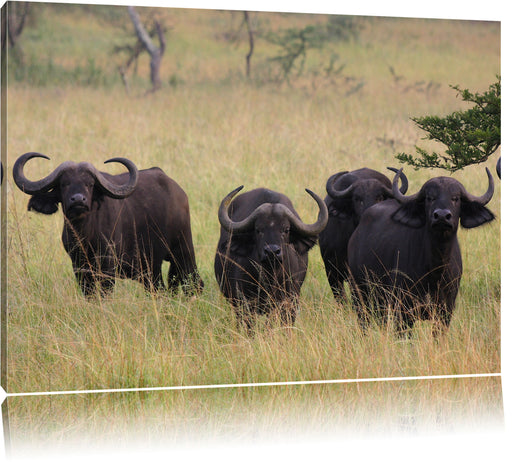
[{"x": 212, "y": 133}]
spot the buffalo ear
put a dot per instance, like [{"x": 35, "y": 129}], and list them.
[
  {"x": 473, "y": 214},
  {"x": 46, "y": 203},
  {"x": 342, "y": 208},
  {"x": 410, "y": 214},
  {"x": 302, "y": 244}
]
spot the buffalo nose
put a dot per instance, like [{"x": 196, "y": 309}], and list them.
[
  {"x": 272, "y": 251},
  {"x": 77, "y": 199},
  {"x": 442, "y": 214}
]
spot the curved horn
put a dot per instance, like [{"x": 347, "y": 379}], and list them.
[
  {"x": 487, "y": 196},
  {"x": 403, "y": 179},
  {"x": 315, "y": 228},
  {"x": 397, "y": 193},
  {"x": 335, "y": 193},
  {"x": 245, "y": 225},
  {"x": 227, "y": 223},
  {"x": 40, "y": 186},
  {"x": 113, "y": 190}
]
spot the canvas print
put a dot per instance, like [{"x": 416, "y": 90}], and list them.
[{"x": 202, "y": 198}]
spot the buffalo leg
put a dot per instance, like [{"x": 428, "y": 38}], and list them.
[
  {"x": 183, "y": 268},
  {"x": 403, "y": 326},
  {"x": 106, "y": 285},
  {"x": 153, "y": 280},
  {"x": 337, "y": 286},
  {"x": 288, "y": 312},
  {"x": 90, "y": 283},
  {"x": 334, "y": 256},
  {"x": 244, "y": 316},
  {"x": 86, "y": 282},
  {"x": 361, "y": 305},
  {"x": 442, "y": 321},
  {"x": 363, "y": 316}
]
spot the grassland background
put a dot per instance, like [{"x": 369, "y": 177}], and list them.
[{"x": 212, "y": 130}]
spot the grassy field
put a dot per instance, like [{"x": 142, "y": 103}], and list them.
[
  {"x": 254, "y": 417},
  {"x": 211, "y": 132}
]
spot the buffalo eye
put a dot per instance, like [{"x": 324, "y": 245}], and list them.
[
  {"x": 455, "y": 199},
  {"x": 333, "y": 211},
  {"x": 379, "y": 199},
  {"x": 285, "y": 231}
]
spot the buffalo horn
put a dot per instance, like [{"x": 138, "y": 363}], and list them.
[
  {"x": 340, "y": 194},
  {"x": 246, "y": 224},
  {"x": 484, "y": 199},
  {"x": 487, "y": 196},
  {"x": 397, "y": 193},
  {"x": 117, "y": 191},
  {"x": 312, "y": 229},
  {"x": 224, "y": 219},
  {"x": 238, "y": 227},
  {"x": 403, "y": 178},
  {"x": 34, "y": 187},
  {"x": 47, "y": 183},
  {"x": 335, "y": 193}
]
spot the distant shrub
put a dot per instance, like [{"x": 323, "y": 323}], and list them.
[
  {"x": 294, "y": 44},
  {"x": 42, "y": 72},
  {"x": 175, "y": 80}
]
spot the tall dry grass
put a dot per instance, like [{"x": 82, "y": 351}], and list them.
[{"x": 135, "y": 339}]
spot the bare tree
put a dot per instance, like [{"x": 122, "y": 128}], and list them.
[
  {"x": 156, "y": 52},
  {"x": 251, "y": 44},
  {"x": 14, "y": 22}
]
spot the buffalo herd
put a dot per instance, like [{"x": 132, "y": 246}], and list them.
[{"x": 397, "y": 254}]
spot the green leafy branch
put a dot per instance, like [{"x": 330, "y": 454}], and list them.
[{"x": 471, "y": 136}]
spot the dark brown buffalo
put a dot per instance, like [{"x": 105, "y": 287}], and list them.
[
  {"x": 262, "y": 253},
  {"x": 117, "y": 225},
  {"x": 405, "y": 253},
  {"x": 349, "y": 194}
]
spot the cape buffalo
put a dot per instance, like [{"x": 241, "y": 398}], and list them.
[
  {"x": 349, "y": 194},
  {"x": 262, "y": 253},
  {"x": 407, "y": 252},
  {"x": 117, "y": 225}
]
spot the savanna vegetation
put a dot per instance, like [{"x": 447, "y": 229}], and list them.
[{"x": 345, "y": 102}]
